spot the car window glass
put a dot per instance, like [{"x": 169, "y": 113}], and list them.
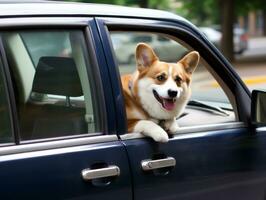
[
  {"x": 163, "y": 39},
  {"x": 207, "y": 94},
  {"x": 57, "y": 43},
  {"x": 53, "y": 92},
  {"x": 5, "y": 125},
  {"x": 140, "y": 38}
]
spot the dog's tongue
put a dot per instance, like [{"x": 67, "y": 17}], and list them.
[{"x": 168, "y": 104}]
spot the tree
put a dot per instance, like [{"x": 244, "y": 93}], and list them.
[
  {"x": 227, "y": 25},
  {"x": 210, "y": 12},
  {"x": 224, "y": 12},
  {"x": 204, "y": 12},
  {"x": 245, "y": 6},
  {"x": 157, "y": 4}
]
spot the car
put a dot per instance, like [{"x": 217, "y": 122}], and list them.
[
  {"x": 164, "y": 48},
  {"x": 63, "y": 130},
  {"x": 213, "y": 35},
  {"x": 240, "y": 38}
]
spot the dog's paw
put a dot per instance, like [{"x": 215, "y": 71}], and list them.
[
  {"x": 172, "y": 127},
  {"x": 152, "y": 130},
  {"x": 160, "y": 136}
]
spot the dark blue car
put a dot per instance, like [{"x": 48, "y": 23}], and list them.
[{"x": 63, "y": 131}]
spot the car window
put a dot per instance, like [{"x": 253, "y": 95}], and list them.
[
  {"x": 52, "y": 84},
  {"x": 163, "y": 39},
  {"x": 56, "y": 43},
  {"x": 140, "y": 38},
  {"x": 209, "y": 103},
  {"x": 5, "y": 125}
]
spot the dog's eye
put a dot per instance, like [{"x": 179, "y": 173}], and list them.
[
  {"x": 178, "y": 79},
  {"x": 161, "y": 77}
]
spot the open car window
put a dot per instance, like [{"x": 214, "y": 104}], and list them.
[{"x": 208, "y": 104}]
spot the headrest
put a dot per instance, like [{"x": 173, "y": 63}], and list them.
[{"x": 57, "y": 75}]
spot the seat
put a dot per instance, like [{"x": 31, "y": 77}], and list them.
[{"x": 52, "y": 115}]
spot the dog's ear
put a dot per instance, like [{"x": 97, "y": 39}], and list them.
[
  {"x": 145, "y": 56},
  {"x": 190, "y": 61}
]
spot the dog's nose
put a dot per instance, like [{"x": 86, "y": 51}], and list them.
[{"x": 172, "y": 93}]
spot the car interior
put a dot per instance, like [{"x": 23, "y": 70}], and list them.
[{"x": 54, "y": 97}]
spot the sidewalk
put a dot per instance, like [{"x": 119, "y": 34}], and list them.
[
  {"x": 252, "y": 70},
  {"x": 251, "y": 66}
]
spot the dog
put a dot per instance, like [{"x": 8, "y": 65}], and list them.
[{"x": 157, "y": 92}]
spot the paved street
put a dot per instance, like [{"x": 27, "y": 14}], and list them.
[{"x": 251, "y": 65}]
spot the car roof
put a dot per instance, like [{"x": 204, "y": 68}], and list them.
[{"x": 25, "y": 8}]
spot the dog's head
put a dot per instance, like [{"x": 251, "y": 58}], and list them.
[{"x": 162, "y": 88}]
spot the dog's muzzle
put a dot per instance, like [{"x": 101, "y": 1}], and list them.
[{"x": 167, "y": 103}]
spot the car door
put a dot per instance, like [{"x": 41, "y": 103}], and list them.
[
  {"x": 212, "y": 156},
  {"x": 58, "y": 122}
]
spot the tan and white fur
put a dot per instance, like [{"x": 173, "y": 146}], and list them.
[{"x": 157, "y": 92}]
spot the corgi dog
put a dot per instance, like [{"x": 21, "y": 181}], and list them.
[{"x": 157, "y": 92}]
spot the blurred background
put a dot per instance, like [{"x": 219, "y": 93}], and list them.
[{"x": 236, "y": 27}]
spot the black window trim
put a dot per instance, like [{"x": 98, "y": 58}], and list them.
[
  {"x": 10, "y": 96},
  {"x": 75, "y": 23}
]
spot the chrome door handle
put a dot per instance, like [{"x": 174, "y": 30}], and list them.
[
  {"x": 157, "y": 164},
  {"x": 90, "y": 174}
]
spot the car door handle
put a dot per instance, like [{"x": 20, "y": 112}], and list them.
[
  {"x": 158, "y": 164},
  {"x": 90, "y": 174}
]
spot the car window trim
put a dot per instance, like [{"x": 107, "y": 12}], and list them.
[
  {"x": 56, "y": 144},
  {"x": 76, "y": 23},
  {"x": 192, "y": 131},
  {"x": 12, "y": 111},
  {"x": 151, "y": 25}
]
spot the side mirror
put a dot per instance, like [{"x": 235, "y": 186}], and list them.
[{"x": 258, "y": 107}]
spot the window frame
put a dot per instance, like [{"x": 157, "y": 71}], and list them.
[
  {"x": 9, "y": 94},
  {"x": 186, "y": 32},
  {"x": 84, "y": 25}
]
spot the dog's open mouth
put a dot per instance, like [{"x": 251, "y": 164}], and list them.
[{"x": 167, "y": 103}]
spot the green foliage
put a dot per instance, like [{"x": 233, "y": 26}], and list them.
[
  {"x": 158, "y": 4},
  {"x": 244, "y": 6},
  {"x": 201, "y": 12},
  {"x": 205, "y": 12},
  {"x": 118, "y": 2}
]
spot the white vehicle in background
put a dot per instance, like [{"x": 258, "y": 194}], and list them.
[
  {"x": 213, "y": 35},
  {"x": 240, "y": 38},
  {"x": 164, "y": 47}
]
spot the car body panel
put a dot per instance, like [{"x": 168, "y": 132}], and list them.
[
  {"x": 209, "y": 165},
  {"x": 223, "y": 161},
  {"x": 56, "y": 173}
]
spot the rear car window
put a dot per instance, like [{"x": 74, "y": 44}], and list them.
[{"x": 52, "y": 85}]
